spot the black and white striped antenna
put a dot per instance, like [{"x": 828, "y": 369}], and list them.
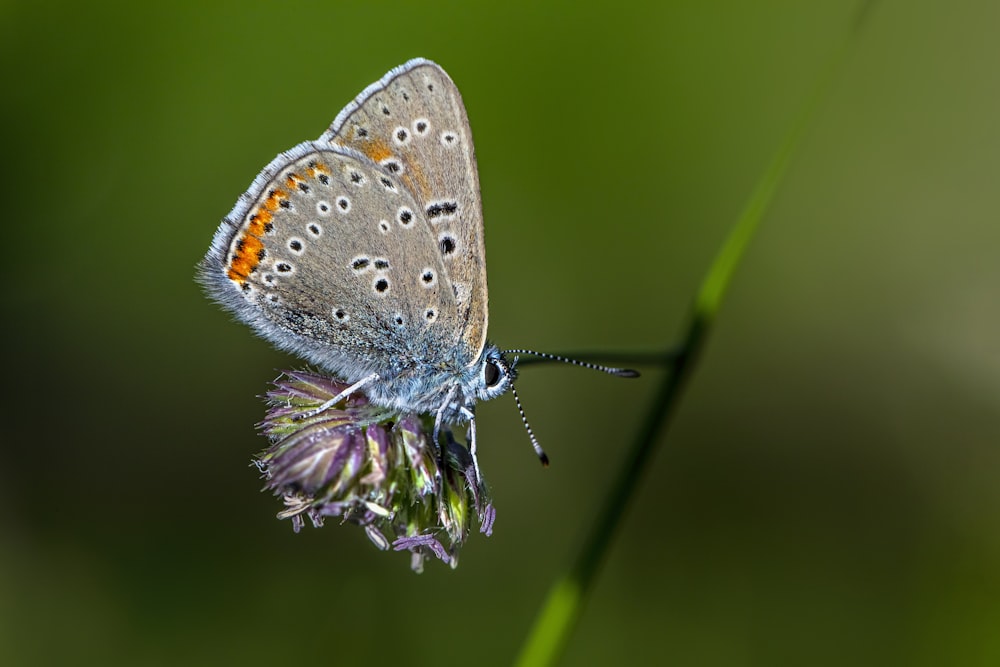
[{"x": 618, "y": 372}]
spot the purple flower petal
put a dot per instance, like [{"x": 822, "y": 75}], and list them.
[
  {"x": 418, "y": 542},
  {"x": 486, "y": 520}
]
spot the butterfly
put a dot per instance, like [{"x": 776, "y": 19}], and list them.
[{"x": 362, "y": 252}]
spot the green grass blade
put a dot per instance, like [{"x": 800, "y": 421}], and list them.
[{"x": 564, "y": 604}]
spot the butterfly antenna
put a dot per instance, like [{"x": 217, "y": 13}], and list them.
[
  {"x": 620, "y": 372},
  {"x": 531, "y": 434}
]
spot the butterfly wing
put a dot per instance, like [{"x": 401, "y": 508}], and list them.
[
  {"x": 413, "y": 124},
  {"x": 329, "y": 256}
]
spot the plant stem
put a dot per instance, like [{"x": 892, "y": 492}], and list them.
[{"x": 562, "y": 608}]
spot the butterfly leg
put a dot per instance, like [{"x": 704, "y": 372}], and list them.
[
  {"x": 439, "y": 415},
  {"x": 472, "y": 441},
  {"x": 438, "y": 418},
  {"x": 339, "y": 397}
]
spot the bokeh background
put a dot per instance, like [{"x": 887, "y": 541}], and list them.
[{"x": 829, "y": 492}]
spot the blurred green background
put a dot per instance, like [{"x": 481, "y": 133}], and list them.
[{"x": 829, "y": 494}]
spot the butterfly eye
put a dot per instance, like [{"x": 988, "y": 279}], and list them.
[{"x": 492, "y": 374}]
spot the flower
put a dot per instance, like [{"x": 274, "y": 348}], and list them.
[{"x": 371, "y": 466}]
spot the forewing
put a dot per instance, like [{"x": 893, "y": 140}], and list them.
[{"x": 413, "y": 124}]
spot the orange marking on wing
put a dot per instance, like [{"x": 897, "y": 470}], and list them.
[
  {"x": 246, "y": 258},
  {"x": 242, "y": 265},
  {"x": 272, "y": 202},
  {"x": 376, "y": 150},
  {"x": 317, "y": 168},
  {"x": 293, "y": 181},
  {"x": 252, "y": 247},
  {"x": 259, "y": 222},
  {"x": 415, "y": 176}
]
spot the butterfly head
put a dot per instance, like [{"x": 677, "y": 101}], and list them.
[{"x": 496, "y": 374}]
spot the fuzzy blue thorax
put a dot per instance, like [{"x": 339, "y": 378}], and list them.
[{"x": 440, "y": 389}]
